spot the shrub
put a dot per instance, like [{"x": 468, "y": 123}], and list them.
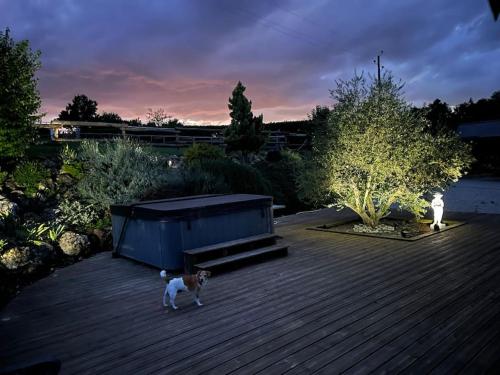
[
  {"x": 202, "y": 151},
  {"x": 104, "y": 222},
  {"x": 71, "y": 165},
  {"x": 55, "y": 232},
  {"x": 195, "y": 180},
  {"x": 29, "y": 176},
  {"x": 68, "y": 155},
  {"x": 76, "y": 215},
  {"x": 74, "y": 170},
  {"x": 282, "y": 170},
  {"x": 118, "y": 171},
  {"x": 36, "y": 234},
  {"x": 3, "y": 177},
  {"x": 224, "y": 176}
]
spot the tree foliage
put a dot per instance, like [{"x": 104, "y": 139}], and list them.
[
  {"x": 375, "y": 153},
  {"x": 109, "y": 117},
  {"x": 157, "y": 116},
  {"x": 483, "y": 110},
  {"x": 244, "y": 134},
  {"x": 19, "y": 96},
  {"x": 81, "y": 108},
  {"x": 440, "y": 116}
]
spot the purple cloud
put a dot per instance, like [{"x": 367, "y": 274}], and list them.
[{"x": 187, "y": 56}]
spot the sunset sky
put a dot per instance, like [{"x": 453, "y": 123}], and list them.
[{"x": 187, "y": 55}]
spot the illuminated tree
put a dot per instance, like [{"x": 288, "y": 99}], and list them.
[{"x": 375, "y": 153}]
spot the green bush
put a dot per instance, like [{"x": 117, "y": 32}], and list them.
[
  {"x": 202, "y": 151},
  {"x": 55, "y": 232},
  {"x": 3, "y": 177},
  {"x": 68, "y": 155},
  {"x": 224, "y": 176},
  {"x": 76, "y": 215},
  {"x": 283, "y": 171},
  {"x": 29, "y": 176},
  {"x": 119, "y": 171},
  {"x": 104, "y": 222},
  {"x": 71, "y": 165},
  {"x": 195, "y": 180},
  {"x": 73, "y": 170}
]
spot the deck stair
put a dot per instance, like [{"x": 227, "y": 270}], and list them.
[{"x": 231, "y": 254}]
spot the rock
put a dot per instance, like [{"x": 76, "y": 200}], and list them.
[
  {"x": 7, "y": 207},
  {"x": 49, "y": 214},
  {"x": 15, "y": 257},
  {"x": 381, "y": 228},
  {"x": 73, "y": 244},
  {"x": 50, "y": 164},
  {"x": 43, "y": 253},
  {"x": 101, "y": 239},
  {"x": 31, "y": 218}
]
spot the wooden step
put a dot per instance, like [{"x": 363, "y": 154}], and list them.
[
  {"x": 233, "y": 243},
  {"x": 238, "y": 259},
  {"x": 222, "y": 249}
]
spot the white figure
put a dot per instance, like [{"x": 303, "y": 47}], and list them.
[{"x": 437, "y": 205}]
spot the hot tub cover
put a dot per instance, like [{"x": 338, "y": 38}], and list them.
[{"x": 185, "y": 206}]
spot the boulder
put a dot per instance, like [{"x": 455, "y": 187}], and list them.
[
  {"x": 43, "y": 253},
  {"x": 15, "y": 258},
  {"x": 73, "y": 244},
  {"x": 7, "y": 207}
]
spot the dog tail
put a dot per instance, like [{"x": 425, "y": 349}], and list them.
[{"x": 164, "y": 276}]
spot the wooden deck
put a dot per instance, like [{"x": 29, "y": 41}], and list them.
[{"x": 337, "y": 303}]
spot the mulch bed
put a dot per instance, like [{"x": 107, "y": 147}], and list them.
[{"x": 404, "y": 229}]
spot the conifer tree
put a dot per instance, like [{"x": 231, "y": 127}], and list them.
[{"x": 245, "y": 132}]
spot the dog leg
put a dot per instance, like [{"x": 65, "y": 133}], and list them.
[
  {"x": 197, "y": 298},
  {"x": 165, "y": 296},
  {"x": 173, "y": 294}
]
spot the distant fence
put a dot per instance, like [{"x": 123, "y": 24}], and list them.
[{"x": 168, "y": 137}]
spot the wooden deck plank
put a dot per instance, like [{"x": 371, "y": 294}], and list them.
[
  {"x": 322, "y": 334},
  {"x": 413, "y": 344},
  {"x": 395, "y": 301},
  {"x": 197, "y": 335},
  {"x": 218, "y": 357}
]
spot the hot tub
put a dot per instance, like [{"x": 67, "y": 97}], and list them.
[{"x": 157, "y": 232}]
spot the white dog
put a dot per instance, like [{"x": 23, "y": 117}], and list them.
[{"x": 193, "y": 283}]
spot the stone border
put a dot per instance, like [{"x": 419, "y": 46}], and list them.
[{"x": 450, "y": 224}]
